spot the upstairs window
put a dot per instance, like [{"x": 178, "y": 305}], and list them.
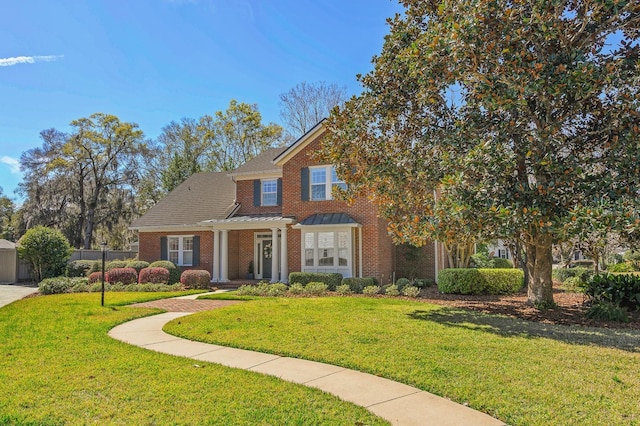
[
  {"x": 270, "y": 192},
  {"x": 322, "y": 181}
]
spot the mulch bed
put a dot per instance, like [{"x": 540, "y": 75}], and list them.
[{"x": 571, "y": 308}]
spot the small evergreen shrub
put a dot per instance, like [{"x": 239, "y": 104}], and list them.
[
  {"x": 79, "y": 268},
  {"x": 115, "y": 264},
  {"x": 562, "y": 274},
  {"x": 344, "y": 290},
  {"x": 276, "y": 290},
  {"x": 357, "y": 284},
  {"x": 138, "y": 265},
  {"x": 296, "y": 288},
  {"x": 122, "y": 275},
  {"x": 246, "y": 290},
  {"x": 502, "y": 281},
  {"x": 620, "y": 290},
  {"x": 391, "y": 290},
  {"x": 174, "y": 271},
  {"x": 501, "y": 263},
  {"x": 371, "y": 290},
  {"x": 620, "y": 267},
  {"x": 196, "y": 278},
  {"x": 573, "y": 284},
  {"x": 480, "y": 281},
  {"x": 154, "y": 275},
  {"x": 95, "y": 277},
  {"x": 59, "y": 285},
  {"x": 332, "y": 280},
  {"x": 411, "y": 291},
  {"x": 316, "y": 288},
  {"x": 607, "y": 311},
  {"x": 401, "y": 283},
  {"x": 423, "y": 282}
]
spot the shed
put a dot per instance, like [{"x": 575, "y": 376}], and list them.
[{"x": 8, "y": 262}]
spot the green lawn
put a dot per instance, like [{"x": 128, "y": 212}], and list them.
[
  {"x": 520, "y": 372},
  {"x": 58, "y": 366}
]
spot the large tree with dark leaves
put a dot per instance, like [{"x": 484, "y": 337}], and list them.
[{"x": 519, "y": 112}]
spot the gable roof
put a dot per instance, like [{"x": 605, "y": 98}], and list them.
[
  {"x": 298, "y": 145},
  {"x": 203, "y": 196},
  {"x": 259, "y": 165}
]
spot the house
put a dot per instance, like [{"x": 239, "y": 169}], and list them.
[{"x": 277, "y": 213}]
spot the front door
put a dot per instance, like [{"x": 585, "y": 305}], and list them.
[{"x": 266, "y": 255}]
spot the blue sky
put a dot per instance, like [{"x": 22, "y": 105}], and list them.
[{"x": 154, "y": 61}]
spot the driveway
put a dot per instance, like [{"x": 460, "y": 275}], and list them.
[{"x": 13, "y": 292}]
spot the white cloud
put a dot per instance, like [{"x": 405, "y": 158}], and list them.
[
  {"x": 7, "y": 62},
  {"x": 14, "y": 165}
]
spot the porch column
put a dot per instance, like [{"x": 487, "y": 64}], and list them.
[
  {"x": 215, "y": 276},
  {"x": 360, "y": 252},
  {"x": 284, "y": 266},
  {"x": 224, "y": 257},
  {"x": 275, "y": 276}
]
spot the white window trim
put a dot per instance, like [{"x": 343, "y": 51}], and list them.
[
  {"x": 329, "y": 183},
  {"x": 262, "y": 192},
  {"x": 181, "y": 249},
  {"x": 346, "y": 271}
]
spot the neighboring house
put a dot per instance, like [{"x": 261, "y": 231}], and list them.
[
  {"x": 498, "y": 248},
  {"x": 278, "y": 213}
]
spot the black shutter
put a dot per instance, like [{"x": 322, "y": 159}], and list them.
[
  {"x": 196, "y": 251},
  {"x": 279, "y": 202},
  {"x": 256, "y": 193},
  {"x": 304, "y": 183},
  {"x": 164, "y": 253}
]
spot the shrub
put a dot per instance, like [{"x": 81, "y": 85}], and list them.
[
  {"x": 344, "y": 290},
  {"x": 46, "y": 250},
  {"x": 174, "y": 271},
  {"x": 392, "y": 290},
  {"x": 196, "y": 278},
  {"x": 357, "y": 284},
  {"x": 316, "y": 288},
  {"x": 501, "y": 263},
  {"x": 58, "y": 285},
  {"x": 423, "y": 282},
  {"x": 154, "y": 275},
  {"x": 277, "y": 290},
  {"x": 562, "y": 274},
  {"x": 481, "y": 260},
  {"x": 607, "y": 311},
  {"x": 574, "y": 284},
  {"x": 633, "y": 257},
  {"x": 296, "y": 288},
  {"x": 138, "y": 265},
  {"x": 480, "y": 281},
  {"x": 411, "y": 291},
  {"x": 79, "y": 268},
  {"x": 95, "y": 277},
  {"x": 246, "y": 290},
  {"x": 332, "y": 280},
  {"x": 621, "y": 267},
  {"x": 119, "y": 264},
  {"x": 620, "y": 290},
  {"x": 401, "y": 283},
  {"x": 122, "y": 275},
  {"x": 371, "y": 290},
  {"x": 587, "y": 263}
]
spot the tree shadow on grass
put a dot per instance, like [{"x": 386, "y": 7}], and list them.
[{"x": 624, "y": 339}]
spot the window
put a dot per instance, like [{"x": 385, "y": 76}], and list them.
[
  {"x": 180, "y": 250},
  {"x": 270, "y": 192},
  {"x": 320, "y": 186},
  {"x": 502, "y": 253},
  {"x": 327, "y": 251}
]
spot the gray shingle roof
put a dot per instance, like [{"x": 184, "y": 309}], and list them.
[
  {"x": 261, "y": 163},
  {"x": 201, "y": 197},
  {"x": 328, "y": 219}
]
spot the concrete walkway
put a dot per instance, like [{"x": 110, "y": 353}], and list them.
[
  {"x": 11, "y": 293},
  {"x": 398, "y": 403}
]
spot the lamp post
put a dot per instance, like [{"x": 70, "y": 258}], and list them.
[{"x": 103, "y": 246}]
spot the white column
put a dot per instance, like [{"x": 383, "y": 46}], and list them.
[
  {"x": 284, "y": 266},
  {"x": 215, "y": 277},
  {"x": 435, "y": 260},
  {"x": 224, "y": 257},
  {"x": 360, "y": 252},
  {"x": 274, "y": 255}
]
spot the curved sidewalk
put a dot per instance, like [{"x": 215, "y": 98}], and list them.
[{"x": 398, "y": 403}]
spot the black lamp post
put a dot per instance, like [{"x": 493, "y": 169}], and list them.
[{"x": 103, "y": 245}]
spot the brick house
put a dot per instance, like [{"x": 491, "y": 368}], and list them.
[{"x": 277, "y": 212}]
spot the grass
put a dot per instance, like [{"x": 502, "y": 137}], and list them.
[
  {"x": 58, "y": 366},
  {"x": 521, "y": 372}
]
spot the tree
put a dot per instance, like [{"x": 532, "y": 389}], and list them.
[
  {"x": 185, "y": 150},
  {"x": 303, "y": 106},
  {"x": 521, "y": 111},
  {"x": 7, "y": 209},
  {"x": 46, "y": 250}
]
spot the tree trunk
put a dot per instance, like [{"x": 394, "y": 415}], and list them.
[{"x": 539, "y": 263}]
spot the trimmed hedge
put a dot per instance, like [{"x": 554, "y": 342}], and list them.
[
  {"x": 154, "y": 275},
  {"x": 95, "y": 277},
  {"x": 480, "y": 281},
  {"x": 356, "y": 285},
  {"x": 561, "y": 274},
  {"x": 58, "y": 285},
  {"x": 138, "y": 265},
  {"x": 122, "y": 275},
  {"x": 80, "y": 268},
  {"x": 115, "y": 264},
  {"x": 332, "y": 280},
  {"x": 174, "y": 271},
  {"x": 196, "y": 278}
]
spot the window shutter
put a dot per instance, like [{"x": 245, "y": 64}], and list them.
[
  {"x": 256, "y": 193},
  {"x": 304, "y": 183},
  {"x": 279, "y": 202},
  {"x": 164, "y": 253},
  {"x": 196, "y": 251}
]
